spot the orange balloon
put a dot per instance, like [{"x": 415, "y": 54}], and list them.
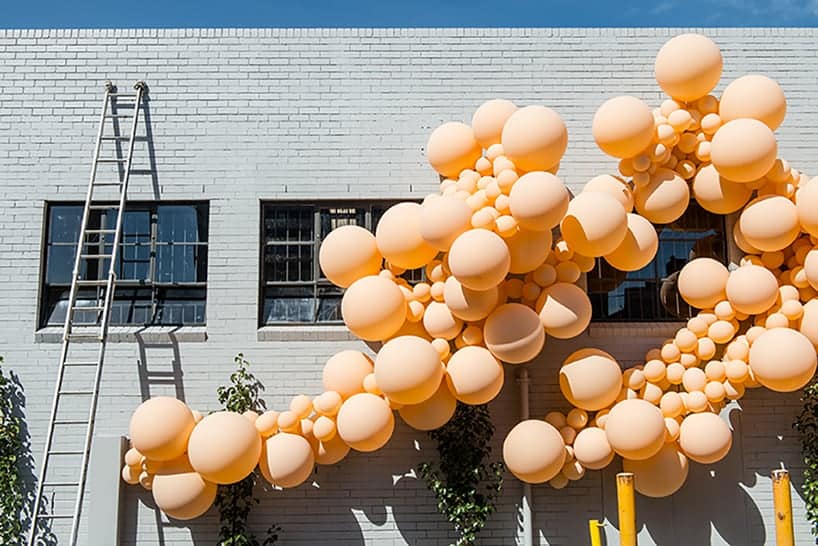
[
  {"x": 286, "y": 460},
  {"x": 408, "y": 369},
  {"x": 160, "y": 428},
  {"x": 534, "y": 138},
  {"x": 489, "y": 119},
  {"x": 590, "y": 379},
  {"x": 184, "y": 495},
  {"x": 224, "y": 447},
  {"x": 349, "y": 253},
  {"x": 783, "y": 360},
  {"x": 664, "y": 198},
  {"x": 760, "y": 230},
  {"x": 469, "y": 304},
  {"x": 595, "y": 224},
  {"x": 717, "y": 194},
  {"x": 564, "y": 310},
  {"x": 743, "y": 150},
  {"x": 513, "y": 333},
  {"x": 660, "y": 475},
  {"x": 751, "y": 289},
  {"x": 702, "y": 282},
  {"x": 613, "y": 186},
  {"x": 623, "y": 126},
  {"x": 538, "y": 201},
  {"x": 705, "y": 437},
  {"x": 479, "y": 259},
  {"x": 754, "y": 96},
  {"x": 638, "y": 248},
  {"x": 688, "y": 67},
  {"x": 365, "y": 422},
  {"x": 534, "y": 451},
  {"x": 373, "y": 308},
  {"x": 431, "y": 413},
  {"x": 451, "y": 148},
  {"x": 635, "y": 429},
  {"x": 591, "y": 448},
  {"x": 528, "y": 250},
  {"x": 474, "y": 376},
  {"x": 399, "y": 237},
  {"x": 344, "y": 372}
]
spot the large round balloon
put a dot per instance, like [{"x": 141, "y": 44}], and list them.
[
  {"x": 807, "y": 202},
  {"x": 623, "y": 126},
  {"x": 782, "y": 359},
  {"x": 635, "y": 429},
  {"x": 440, "y": 322},
  {"x": 474, "y": 376},
  {"x": 534, "y": 138},
  {"x": 754, "y": 96},
  {"x": 399, "y": 238},
  {"x": 660, "y": 475},
  {"x": 373, "y": 308},
  {"x": 451, "y": 148},
  {"x": 469, "y": 304},
  {"x": 479, "y": 259},
  {"x": 638, "y": 247},
  {"x": 160, "y": 428},
  {"x": 702, "y": 282},
  {"x": 538, "y": 201},
  {"x": 564, "y": 310},
  {"x": 591, "y": 448},
  {"x": 534, "y": 451},
  {"x": 286, "y": 459},
  {"x": 184, "y": 495},
  {"x": 443, "y": 219},
  {"x": 489, "y": 119},
  {"x": 528, "y": 250},
  {"x": 717, "y": 194},
  {"x": 705, "y": 437},
  {"x": 408, "y": 369},
  {"x": 513, "y": 333},
  {"x": 431, "y": 413},
  {"x": 688, "y": 67},
  {"x": 751, "y": 289},
  {"x": 613, "y": 186},
  {"x": 743, "y": 150},
  {"x": 224, "y": 447},
  {"x": 664, "y": 198},
  {"x": 770, "y": 223},
  {"x": 349, "y": 253},
  {"x": 595, "y": 224},
  {"x": 344, "y": 372},
  {"x": 590, "y": 379},
  {"x": 365, "y": 422}
]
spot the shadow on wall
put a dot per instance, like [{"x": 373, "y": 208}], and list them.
[{"x": 169, "y": 369}]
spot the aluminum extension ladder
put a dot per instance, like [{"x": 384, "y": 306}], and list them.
[{"x": 94, "y": 244}]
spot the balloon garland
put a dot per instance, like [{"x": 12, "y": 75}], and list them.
[{"x": 498, "y": 284}]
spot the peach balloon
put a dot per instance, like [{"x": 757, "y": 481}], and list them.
[
  {"x": 538, "y": 201},
  {"x": 705, "y": 437},
  {"x": 513, "y": 333},
  {"x": 751, "y": 289},
  {"x": 782, "y": 359},
  {"x": 623, "y": 126},
  {"x": 770, "y": 223},
  {"x": 591, "y": 448},
  {"x": 331, "y": 451},
  {"x": 664, "y": 198},
  {"x": 408, "y": 369},
  {"x": 324, "y": 429},
  {"x": 432, "y": 413},
  {"x": 809, "y": 321},
  {"x": 590, "y": 379},
  {"x": 160, "y": 428},
  {"x": 671, "y": 404},
  {"x": 743, "y": 150},
  {"x": 595, "y": 224},
  {"x": 489, "y": 119},
  {"x": 329, "y": 402},
  {"x": 474, "y": 375},
  {"x": 754, "y": 96},
  {"x": 224, "y": 447},
  {"x": 613, "y": 186},
  {"x": 130, "y": 474},
  {"x": 564, "y": 310},
  {"x": 534, "y": 451},
  {"x": 349, "y": 253},
  {"x": 660, "y": 475},
  {"x": 443, "y": 219},
  {"x": 717, "y": 194},
  {"x": 184, "y": 495},
  {"x": 807, "y": 202},
  {"x": 451, "y": 148},
  {"x": 688, "y": 67},
  {"x": 635, "y": 429},
  {"x": 811, "y": 268},
  {"x": 399, "y": 238},
  {"x": 638, "y": 247},
  {"x": 702, "y": 282},
  {"x": 534, "y": 138},
  {"x": 479, "y": 259},
  {"x": 469, "y": 304},
  {"x": 440, "y": 322},
  {"x": 287, "y": 460},
  {"x": 528, "y": 250},
  {"x": 365, "y": 422},
  {"x": 373, "y": 308},
  {"x": 344, "y": 372}
]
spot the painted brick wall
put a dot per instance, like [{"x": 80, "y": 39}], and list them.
[{"x": 243, "y": 115}]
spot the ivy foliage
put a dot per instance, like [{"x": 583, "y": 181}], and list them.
[
  {"x": 464, "y": 482},
  {"x": 12, "y": 495},
  {"x": 235, "y": 501},
  {"x": 807, "y": 426}
]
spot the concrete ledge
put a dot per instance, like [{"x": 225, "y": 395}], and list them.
[
  {"x": 129, "y": 334},
  {"x": 634, "y": 329},
  {"x": 309, "y": 332}
]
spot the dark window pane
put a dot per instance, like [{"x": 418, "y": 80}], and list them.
[
  {"x": 289, "y": 223},
  {"x": 60, "y": 264},
  {"x": 289, "y": 304},
  {"x": 329, "y": 304},
  {"x": 332, "y": 218},
  {"x": 64, "y": 223},
  {"x": 288, "y": 263}
]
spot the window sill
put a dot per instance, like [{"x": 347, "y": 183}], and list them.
[
  {"x": 634, "y": 329},
  {"x": 305, "y": 332},
  {"x": 129, "y": 334}
]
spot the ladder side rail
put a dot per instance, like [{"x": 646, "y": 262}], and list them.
[{"x": 32, "y": 534}]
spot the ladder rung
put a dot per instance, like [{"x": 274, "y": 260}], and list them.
[
  {"x": 70, "y": 422},
  {"x": 118, "y": 115},
  {"x": 88, "y": 308},
  {"x": 65, "y": 452},
  {"x": 75, "y": 337},
  {"x": 78, "y": 363},
  {"x": 95, "y": 256},
  {"x": 111, "y": 160},
  {"x": 131, "y": 95},
  {"x": 60, "y": 484},
  {"x": 100, "y": 231},
  {"x": 87, "y": 282},
  {"x": 55, "y": 516},
  {"x": 80, "y": 393},
  {"x": 117, "y": 137},
  {"x": 103, "y": 207}
]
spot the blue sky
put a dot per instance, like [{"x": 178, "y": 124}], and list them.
[{"x": 378, "y": 13}]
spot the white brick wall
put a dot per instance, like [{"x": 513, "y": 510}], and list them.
[{"x": 244, "y": 115}]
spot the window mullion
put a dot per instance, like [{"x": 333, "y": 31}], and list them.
[{"x": 316, "y": 268}]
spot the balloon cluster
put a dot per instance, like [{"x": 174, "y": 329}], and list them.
[{"x": 498, "y": 282}]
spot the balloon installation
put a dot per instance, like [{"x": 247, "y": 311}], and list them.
[{"x": 504, "y": 245}]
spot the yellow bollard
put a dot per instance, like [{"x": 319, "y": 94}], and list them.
[
  {"x": 783, "y": 508},
  {"x": 627, "y": 510},
  {"x": 594, "y": 527}
]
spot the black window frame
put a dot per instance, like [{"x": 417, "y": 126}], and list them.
[
  {"x": 131, "y": 294},
  {"x": 371, "y": 212},
  {"x": 693, "y": 222}
]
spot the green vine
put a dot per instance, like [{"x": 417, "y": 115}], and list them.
[
  {"x": 807, "y": 426},
  {"x": 464, "y": 483},
  {"x": 12, "y": 496},
  {"x": 235, "y": 501}
]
